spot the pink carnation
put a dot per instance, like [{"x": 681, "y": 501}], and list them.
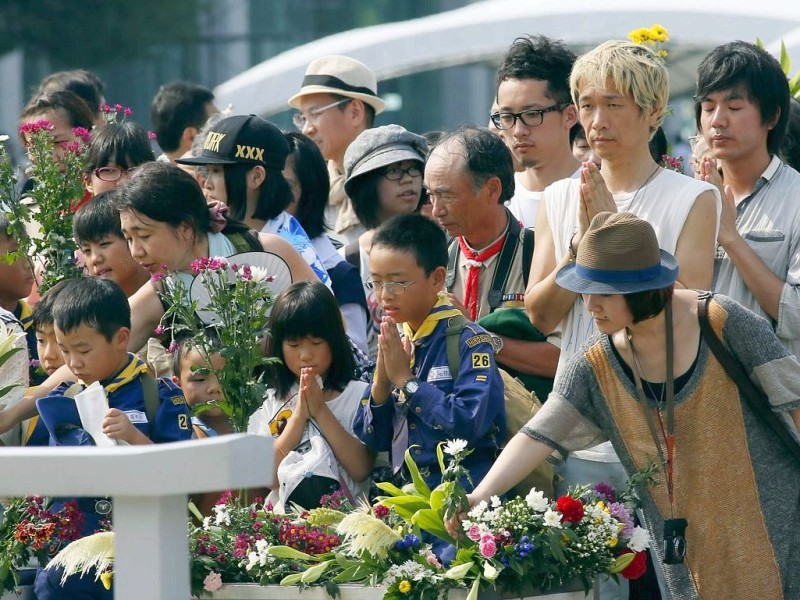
[
  {"x": 474, "y": 533},
  {"x": 36, "y": 126},
  {"x": 82, "y": 133},
  {"x": 212, "y": 582}
]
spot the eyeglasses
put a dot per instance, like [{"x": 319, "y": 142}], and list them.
[
  {"x": 397, "y": 173},
  {"x": 531, "y": 118},
  {"x": 111, "y": 173},
  {"x": 300, "y": 120},
  {"x": 395, "y": 288}
]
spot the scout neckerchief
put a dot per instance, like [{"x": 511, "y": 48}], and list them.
[
  {"x": 660, "y": 432},
  {"x": 135, "y": 367},
  {"x": 474, "y": 260},
  {"x": 441, "y": 310}
]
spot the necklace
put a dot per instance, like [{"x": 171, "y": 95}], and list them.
[{"x": 646, "y": 181}]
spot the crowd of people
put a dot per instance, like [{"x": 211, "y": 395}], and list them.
[{"x": 554, "y": 245}]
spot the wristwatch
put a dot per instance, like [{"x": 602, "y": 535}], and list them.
[
  {"x": 497, "y": 343},
  {"x": 410, "y": 388}
]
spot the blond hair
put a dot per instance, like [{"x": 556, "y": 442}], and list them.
[{"x": 632, "y": 69}]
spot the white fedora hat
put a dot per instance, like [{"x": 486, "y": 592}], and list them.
[{"x": 343, "y": 76}]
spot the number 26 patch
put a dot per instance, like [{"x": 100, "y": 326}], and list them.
[{"x": 480, "y": 360}]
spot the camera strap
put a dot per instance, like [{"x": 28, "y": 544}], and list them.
[{"x": 659, "y": 431}]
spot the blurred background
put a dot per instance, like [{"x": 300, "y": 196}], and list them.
[{"x": 435, "y": 59}]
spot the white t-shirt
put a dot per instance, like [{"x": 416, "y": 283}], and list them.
[
  {"x": 664, "y": 202},
  {"x": 524, "y": 204},
  {"x": 344, "y": 407}
]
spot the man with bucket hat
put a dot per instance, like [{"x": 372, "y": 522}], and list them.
[
  {"x": 651, "y": 383},
  {"x": 337, "y": 101}
]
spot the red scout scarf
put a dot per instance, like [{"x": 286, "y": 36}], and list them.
[{"x": 475, "y": 261}]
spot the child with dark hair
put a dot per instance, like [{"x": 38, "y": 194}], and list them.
[
  {"x": 92, "y": 325},
  {"x": 98, "y": 235},
  {"x": 115, "y": 150},
  {"x": 313, "y": 405},
  {"x": 415, "y": 400}
]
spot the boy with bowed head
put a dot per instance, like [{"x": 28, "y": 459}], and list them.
[
  {"x": 92, "y": 326},
  {"x": 414, "y": 400}
]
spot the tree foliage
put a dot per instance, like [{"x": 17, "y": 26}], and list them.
[{"x": 70, "y": 33}]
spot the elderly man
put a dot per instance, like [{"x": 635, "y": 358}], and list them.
[
  {"x": 469, "y": 175},
  {"x": 338, "y": 100}
]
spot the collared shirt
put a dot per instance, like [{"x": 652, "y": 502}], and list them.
[{"x": 769, "y": 221}]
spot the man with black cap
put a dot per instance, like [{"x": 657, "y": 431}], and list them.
[{"x": 337, "y": 101}]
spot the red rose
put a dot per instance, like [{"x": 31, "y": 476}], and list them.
[
  {"x": 637, "y": 567},
  {"x": 570, "y": 509}
]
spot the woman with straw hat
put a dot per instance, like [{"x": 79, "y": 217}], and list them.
[{"x": 725, "y": 511}]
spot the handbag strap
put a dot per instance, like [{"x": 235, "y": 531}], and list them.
[{"x": 758, "y": 400}]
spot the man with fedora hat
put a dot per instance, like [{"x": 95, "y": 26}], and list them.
[
  {"x": 337, "y": 101},
  {"x": 650, "y": 384}
]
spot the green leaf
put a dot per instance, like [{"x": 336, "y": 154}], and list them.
[
  {"x": 8, "y": 388},
  {"x": 419, "y": 482},
  {"x": 759, "y": 43},
  {"x": 292, "y": 579},
  {"x": 390, "y": 488},
  {"x": 11, "y": 352},
  {"x": 622, "y": 562},
  {"x": 431, "y": 521},
  {"x": 786, "y": 62},
  {"x": 458, "y": 572},
  {"x": 349, "y": 574},
  {"x": 290, "y": 553},
  {"x": 312, "y": 574},
  {"x": 439, "y": 495},
  {"x": 440, "y": 456}
]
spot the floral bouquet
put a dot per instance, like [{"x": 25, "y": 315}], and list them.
[
  {"x": 237, "y": 335},
  {"x": 252, "y": 544},
  {"x": 30, "y": 530},
  {"x": 57, "y": 170},
  {"x": 652, "y": 37}
]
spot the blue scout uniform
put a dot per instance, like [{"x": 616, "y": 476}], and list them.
[
  {"x": 467, "y": 405},
  {"x": 125, "y": 392}
]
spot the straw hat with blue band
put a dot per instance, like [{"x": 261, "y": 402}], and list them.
[
  {"x": 342, "y": 76},
  {"x": 619, "y": 254}
]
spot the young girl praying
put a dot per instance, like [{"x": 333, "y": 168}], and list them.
[{"x": 313, "y": 403}]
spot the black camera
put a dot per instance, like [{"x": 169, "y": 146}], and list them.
[{"x": 674, "y": 541}]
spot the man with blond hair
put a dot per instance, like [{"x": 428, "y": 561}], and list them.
[{"x": 621, "y": 91}]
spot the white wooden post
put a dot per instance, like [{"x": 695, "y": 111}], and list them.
[{"x": 149, "y": 485}]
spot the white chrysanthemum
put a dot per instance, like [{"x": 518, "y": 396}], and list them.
[
  {"x": 206, "y": 522},
  {"x": 222, "y": 516},
  {"x": 453, "y": 447},
  {"x": 478, "y": 510},
  {"x": 408, "y": 570},
  {"x": 364, "y": 532},
  {"x": 536, "y": 500},
  {"x": 252, "y": 561},
  {"x": 262, "y": 546},
  {"x": 552, "y": 518},
  {"x": 640, "y": 540},
  {"x": 3, "y": 139},
  {"x": 495, "y": 500},
  {"x": 81, "y": 555}
]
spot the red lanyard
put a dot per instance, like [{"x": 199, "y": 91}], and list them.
[{"x": 660, "y": 432}]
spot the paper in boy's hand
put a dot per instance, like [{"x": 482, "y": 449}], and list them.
[{"x": 92, "y": 406}]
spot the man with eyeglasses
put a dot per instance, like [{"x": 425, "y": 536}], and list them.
[
  {"x": 536, "y": 118},
  {"x": 469, "y": 176},
  {"x": 337, "y": 101}
]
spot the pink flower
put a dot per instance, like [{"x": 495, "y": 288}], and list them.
[
  {"x": 474, "y": 533},
  {"x": 199, "y": 264},
  {"x": 212, "y": 582},
  {"x": 157, "y": 276},
  {"x": 488, "y": 548},
  {"x": 151, "y": 135},
  {"x": 72, "y": 147},
  {"x": 36, "y": 126},
  {"x": 158, "y": 330},
  {"x": 487, "y": 537},
  {"x": 118, "y": 107},
  {"x": 247, "y": 274},
  {"x": 82, "y": 133},
  {"x": 127, "y": 112},
  {"x": 172, "y": 348},
  {"x": 105, "y": 108}
]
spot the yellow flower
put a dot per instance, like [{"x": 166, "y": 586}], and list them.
[
  {"x": 638, "y": 36},
  {"x": 659, "y": 33},
  {"x": 613, "y": 542},
  {"x": 662, "y": 54},
  {"x": 105, "y": 578},
  {"x": 404, "y": 587}
]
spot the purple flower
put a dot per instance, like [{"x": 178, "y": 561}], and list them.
[
  {"x": 605, "y": 492},
  {"x": 621, "y": 513},
  {"x": 34, "y": 363}
]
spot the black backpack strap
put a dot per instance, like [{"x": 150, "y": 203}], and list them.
[
  {"x": 758, "y": 400},
  {"x": 528, "y": 243},
  {"x": 352, "y": 254},
  {"x": 452, "y": 343},
  {"x": 151, "y": 399},
  {"x": 504, "y": 261}
]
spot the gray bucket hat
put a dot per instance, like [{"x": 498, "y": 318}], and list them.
[{"x": 379, "y": 147}]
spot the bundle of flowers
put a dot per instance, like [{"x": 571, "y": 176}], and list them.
[
  {"x": 252, "y": 544},
  {"x": 30, "y": 530},
  {"x": 238, "y": 335},
  {"x": 652, "y": 37}
]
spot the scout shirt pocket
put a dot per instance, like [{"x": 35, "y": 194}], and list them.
[{"x": 766, "y": 243}]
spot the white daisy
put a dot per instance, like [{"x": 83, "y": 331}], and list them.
[{"x": 454, "y": 447}]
